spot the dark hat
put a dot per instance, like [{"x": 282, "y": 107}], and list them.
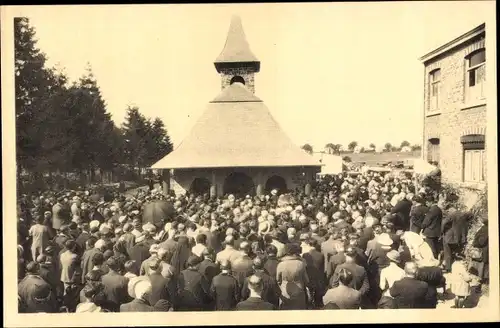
[
  {"x": 194, "y": 260},
  {"x": 41, "y": 292}
]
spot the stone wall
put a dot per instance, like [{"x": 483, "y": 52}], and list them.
[
  {"x": 456, "y": 115},
  {"x": 294, "y": 176},
  {"x": 247, "y": 73}
]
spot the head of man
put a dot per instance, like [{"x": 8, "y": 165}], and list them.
[
  {"x": 255, "y": 284},
  {"x": 411, "y": 269}
]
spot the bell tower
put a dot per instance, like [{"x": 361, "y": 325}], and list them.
[{"x": 236, "y": 62}]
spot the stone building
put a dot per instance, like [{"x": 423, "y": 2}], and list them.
[
  {"x": 455, "y": 109},
  {"x": 236, "y": 146}
]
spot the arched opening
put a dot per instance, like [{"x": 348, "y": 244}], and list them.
[
  {"x": 237, "y": 79},
  {"x": 239, "y": 184},
  {"x": 276, "y": 182},
  {"x": 200, "y": 186}
]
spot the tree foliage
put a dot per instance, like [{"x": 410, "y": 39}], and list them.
[
  {"x": 352, "y": 145},
  {"x": 308, "y": 148},
  {"x": 67, "y": 128},
  {"x": 388, "y": 146},
  {"x": 405, "y": 144}
]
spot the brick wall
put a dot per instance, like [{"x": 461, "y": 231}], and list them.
[
  {"x": 456, "y": 115},
  {"x": 247, "y": 73}
]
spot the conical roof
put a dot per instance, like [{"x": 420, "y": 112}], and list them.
[
  {"x": 236, "y": 130},
  {"x": 236, "y": 49}
]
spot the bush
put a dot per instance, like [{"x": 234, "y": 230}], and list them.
[{"x": 347, "y": 159}]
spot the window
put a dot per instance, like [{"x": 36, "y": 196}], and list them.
[
  {"x": 434, "y": 83},
  {"x": 433, "y": 150},
  {"x": 474, "y": 158},
  {"x": 476, "y": 75}
]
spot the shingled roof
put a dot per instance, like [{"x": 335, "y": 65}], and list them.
[
  {"x": 236, "y": 130},
  {"x": 236, "y": 49}
]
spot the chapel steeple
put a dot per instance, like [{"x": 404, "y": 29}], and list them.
[{"x": 236, "y": 62}]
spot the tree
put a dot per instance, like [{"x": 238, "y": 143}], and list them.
[
  {"x": 394, "y": 149},
  {"x": 160, "y": 144},
  {"x": 362, "y": 150},
  {"x": 347, "y": 159},
  {"x": 416, "y": 147},
  {"x": 330, "y": 148},
  {"x": 308, "y": 148},
  {"x": 135, "y": 133},
  {"x": 405, "y": 144},
  {"x": 34, "y": 85},
  {"x": 388, "y": 146},
  {"x": 352, "y": 145},
  {"x": 372, "y": 146}
]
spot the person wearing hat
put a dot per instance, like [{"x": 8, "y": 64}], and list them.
[
  {"x": 40, "y": 236},
  {"x": 360, "y": 280},
  {"x": 47, "y": 271},
  {"x": 207, "y": 267},
  {"x": 229, "y": 253},
  {"x": 194, "y": 291},
  {"x": 59, "y": 215},
  {"x": 163, "y": 287},
  {"x": 82, "y": 238},
  {"x": 291, "y": 276},
  {"x": 89, "y": 305},
  {"x": 88, "y": 256},
  {"x": 315, "y": 267},
  {"x": 224, "y": 289},
  {"x": 270, "y": 290},
  {"x": 428, "y": 270},
  {"x": 115, "y": 285},
  {"x": 417, "y": 214},
  {"x": 70, "y": 263},
  {"x": 153, "y": 251},
  {"x": 139, "y": 290},
  {"x": 35, "y": 293},
  {"x": 388, "y": 276},
  {"x": 139, "y": 253}
]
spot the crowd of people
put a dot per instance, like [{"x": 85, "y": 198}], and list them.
[{"x": 353, "y": 242}]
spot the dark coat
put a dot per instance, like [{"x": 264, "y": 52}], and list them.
[
  {"x": 28, "y": 288},
  {"x": 365, "y": 237},
  {"x": 359, "y": 277},
  {"x": 480, "y": 266},
  {"x": 343, "y": 297},
  {"x": 81, "y": 240},
  {"x": 254, "y": 304},
  {"x": 431, "y": 225},
  {"x": 410, "y": 293},
  {"x": 402, "y": 211},
  {"x": 87, "y": 265},
  {"x": 455, "y": 228},
  {"x": 136, "y": 306},
  {"x": 208, "y": 269},
  {"x": 332, "y": 265},
  {"x": 116, "y": 289},
  {"x": 271, "y": 265},
  {"x": 193, "y": 291},
  {"x": 225, "y": 291},
  {"x": 270, "y": 291},
  {"x": 418, "y": 214},
  {"x": 434, "y": 278},
  {"x": 159, "y": 288},
  {"x": 139, "y": 253},
  {"x": 315, "y": 266}
]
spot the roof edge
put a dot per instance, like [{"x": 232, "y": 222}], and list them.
[
  {"x": 478, "y": 30},
  {"x": 225, "y": 167}
]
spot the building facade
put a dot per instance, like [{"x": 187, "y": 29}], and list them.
[
  {"x": 455, "y": 104},
  {"x": 236, "y": 146}
]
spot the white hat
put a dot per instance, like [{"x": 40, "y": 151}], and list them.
[
  {"x": 298, "y": 208},
  {"x": 168, "y": 226},
  {"x": 122, "y": 218},
  {"x": 100, "y": 244},
  {"x": 274, "y": 192},
  {"x": 94, "y": 224},
  {"x": 87, "y": 307},
  {"x": 385, "y": 240},
  {"x": 289, "y": 208}
]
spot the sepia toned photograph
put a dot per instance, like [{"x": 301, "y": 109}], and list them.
[{"x": 295, "y": 159}]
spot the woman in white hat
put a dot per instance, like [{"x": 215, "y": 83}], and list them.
[{"x": 388, "y": 276}]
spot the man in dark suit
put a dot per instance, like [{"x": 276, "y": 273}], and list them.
[
  {"x": 315, "y": 266},
  {"x": 87, "y": 257},
  {"x": 207, "y": 267},
  {"x": 193, "y": 288},
  {"x": 255, "y": 301},
  {"x": 161, "y": 287},
  {"x": 402, "y": 211},
  {"x": 418, "y": 213},
  {"x": 83, "y": 237},
  {"x": 225, "y": 289},
  {"x": 272, "y": 261},
  {"x": 115, "y": 285},
  {"x": 409, "y": 292},
  {"x": 431, "y": 228},
  {"x": 270, "y": 290},
  {"x": 359, "y": 276},
  {"x": 455, "y": 228}
]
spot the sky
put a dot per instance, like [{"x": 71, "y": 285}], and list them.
[{"x": 330, "y": 72}]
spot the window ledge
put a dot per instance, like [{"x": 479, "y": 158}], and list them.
[
  {"x": 473, "y": 185},
  {"x": 474, "y": 104},
  {"x": 433, "y": 113}
]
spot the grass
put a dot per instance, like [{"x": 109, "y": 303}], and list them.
[{"x": 374, "y": 158}]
